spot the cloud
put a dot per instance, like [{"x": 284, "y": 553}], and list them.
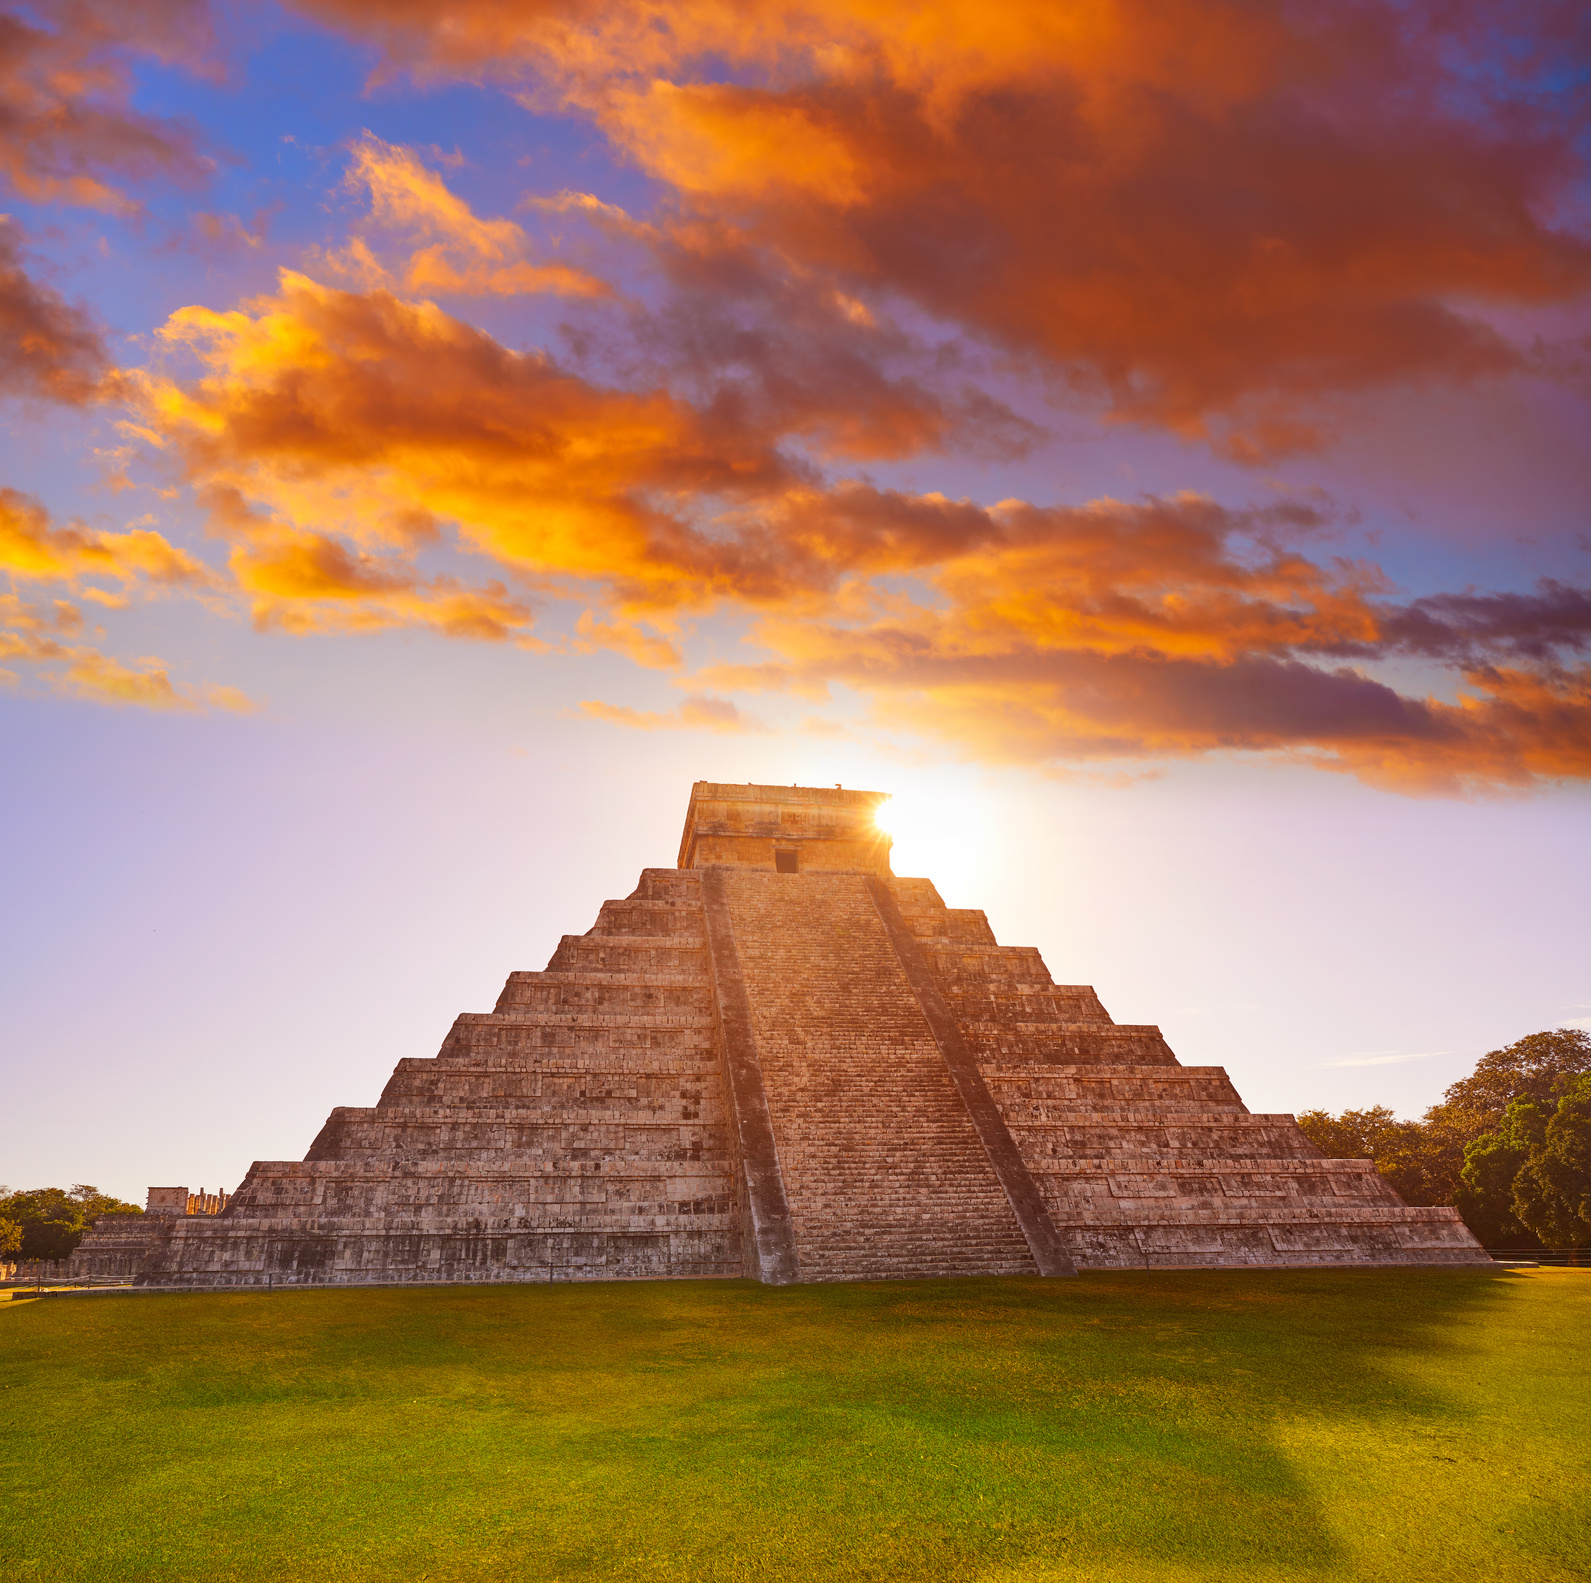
[
  {"x": 1221, "y": 218},
  {"x": 33, "y": 549},
  {"x": 68, "y": 129},
  {"x": 49, "y": 349},
  {"x": 1555, "y": 619},
  {"x": 339, "y": 435},
  {"x": 736, "y": 332},
  {"x": 325, "y": 412},
  {"x": 699, "y": 712},
  {"x": 627, "y": 638},
  {"x": 454, "y": 251},
  {"x": 1159, "y": 629},
  {"x": 46, "y": 638},
  {"x": 308, "y": 582},
  {"x": 49, "y": 636},
  {"x": 1385, "y": 1058}
]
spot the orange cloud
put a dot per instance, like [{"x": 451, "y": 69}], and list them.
[
  {"x": 322, "y": 424},
  {"x": 32, "y": 548},
  {"x": 1217, "y": 217},
  {"x": 627, "y": 638},
  {"x": 49, "y": 349},
  {"x": 44, "y": 638},
  {"x": 68, "y": 129},
  {"x": 353, "y": 414},
  {"x": 458, "y": 253},
  {"x": 339, "y": 435},
  {"x": 50, "y": 639},
  {"x": 699, "y": 712},
  {"x": 1172, "y": 628},
  {"x": 308, "y": 582}
]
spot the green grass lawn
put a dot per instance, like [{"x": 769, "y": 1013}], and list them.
[{"x": 1421, "y": 1424}]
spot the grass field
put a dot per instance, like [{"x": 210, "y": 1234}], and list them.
[{"x": 1420, "y": 1424}]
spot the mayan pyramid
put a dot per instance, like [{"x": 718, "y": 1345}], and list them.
[{"x": 778, "y": 1060}]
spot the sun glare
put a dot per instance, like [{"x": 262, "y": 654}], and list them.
[{"x": 935, "y": 831}]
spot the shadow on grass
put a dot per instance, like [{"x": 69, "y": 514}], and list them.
[{"x": 1125, "y": 1425}]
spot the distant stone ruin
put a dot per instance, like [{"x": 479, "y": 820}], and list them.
[
  {"x": 116, "y": 1246},
  {"x": 777, "y": 1060}
]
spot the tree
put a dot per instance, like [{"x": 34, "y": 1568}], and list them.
[
  {"x": 1541, "y": 1067},
  {"x": 52, "y": 1220},
  {"x": 1485, "y": 1196},
  {"x": 1552, "y": 1192},
  {"x": 1355, "y": 1134}
]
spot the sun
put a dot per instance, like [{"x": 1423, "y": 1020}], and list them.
[{"x": 933, "y": 828}]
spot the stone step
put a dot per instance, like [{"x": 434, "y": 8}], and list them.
[
  {"x": 1102, "y": 1034},
  {"x": 1093, "y": 1085},
  {"x": 955, "y": 960},
  {"x": 561, "y": 1048},
  {"x": 374, "y": 1137},
  {"x": 623, "y": 995},
  {"x": 949, "y": 926},
  {"x": 519, "y": 985},
  {"x": 888, "y": 1240},
  {"x": 910, "y": 1268},
  {"x": 1025, "y": 1113},
  {"x": 575, "y": 1109},
  {"x": 625, "y": 954},
  {"x": 1157, "y": 1135},
  {"x": 519, "y": 1086},
  {"x": 1010, "y": 1042},
  {"x": 592, "y": 1018},
  {"x": 644, "y": 917},
  {"x": 1026, "y": 1002},
  {"x": 1283, "y": 1214},
  {"x": 1366, "y": 1237},
  {"x": 1081, "y": 1115},
  {"x": 1008, "y": 1004}
]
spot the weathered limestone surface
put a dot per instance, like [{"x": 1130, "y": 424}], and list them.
[
  {"x": 575, "y": 1132},
  {"x": 884, "y": 1172},
  {"x": 779, "y": 1060},
  {"x": 1142, "y": 1161},
  {"x": 117, "y": 1247}
]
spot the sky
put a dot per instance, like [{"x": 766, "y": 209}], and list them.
[{"x": 1147, "y": 439}]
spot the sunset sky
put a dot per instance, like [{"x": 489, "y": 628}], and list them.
[{"x": 1152, "y": 440}]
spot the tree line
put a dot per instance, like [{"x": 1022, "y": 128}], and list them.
[
  {"x": 48, "y": 1222},
  {"x": 1509, "y": 1146}
]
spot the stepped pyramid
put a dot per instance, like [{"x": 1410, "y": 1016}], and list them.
[{"x": 778, "y": 1060}]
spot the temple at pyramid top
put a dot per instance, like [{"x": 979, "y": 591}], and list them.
[{"x": 784, "y": 829}]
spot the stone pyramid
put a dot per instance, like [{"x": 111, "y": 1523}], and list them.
[{"x": 778, "y": 1060}]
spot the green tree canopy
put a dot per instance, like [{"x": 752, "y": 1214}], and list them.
[
  {"x": 52, "y": 1220},
  {"x": 1485, "y": 1195},
  {"x": 1552, "y": 1192}
]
